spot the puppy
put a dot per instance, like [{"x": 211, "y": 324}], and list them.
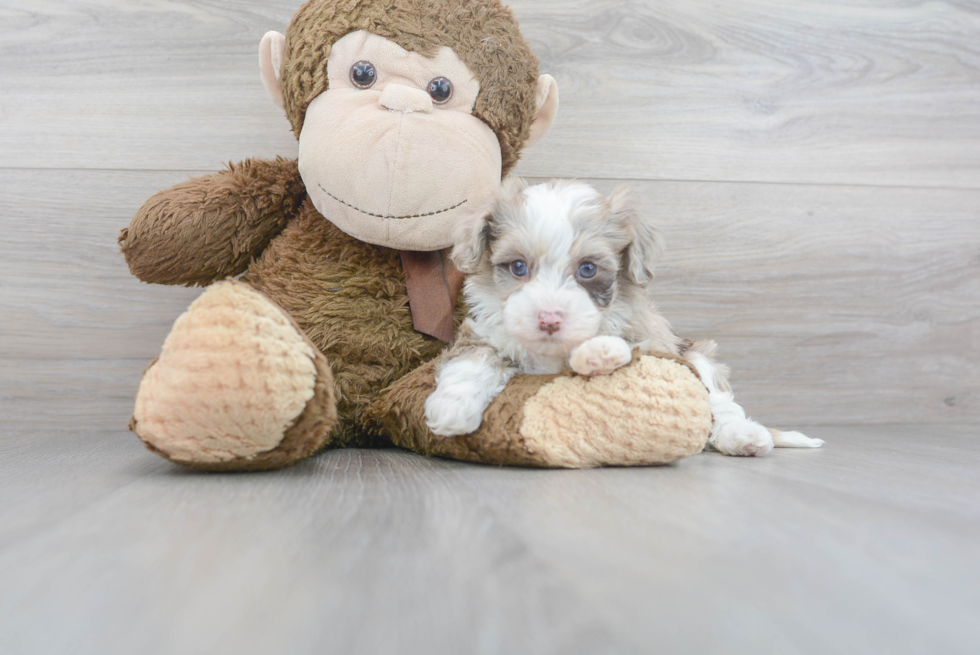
[{"x": 560, "y": 277}]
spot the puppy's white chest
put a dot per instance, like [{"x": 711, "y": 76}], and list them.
[{"x": 546, "y": 366}]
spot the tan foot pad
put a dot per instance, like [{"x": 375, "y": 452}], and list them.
[
  {"x": 235, "y": 375},
  {"x": 653, "y": 411}
]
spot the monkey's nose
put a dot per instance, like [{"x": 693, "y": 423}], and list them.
[
  {"x": 398, "y": 97},
  {"x": 549, "y": 322}
]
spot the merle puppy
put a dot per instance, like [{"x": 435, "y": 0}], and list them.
[{"x": 560, "y": 277}]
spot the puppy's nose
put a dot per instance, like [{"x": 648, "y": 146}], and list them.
[
  {"x": 398, "y": 97},
  {"x": 549, "y": 322}
]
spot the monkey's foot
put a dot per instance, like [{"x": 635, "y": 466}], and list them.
[
  {"x": 652, "y": 411},
  {"x": 238, "y": 386}
]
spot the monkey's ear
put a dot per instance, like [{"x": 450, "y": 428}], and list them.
[
  {"x": 271, "y": 52},
  {"x": 472, "y": 236},
  {"x": 547, "y": 108},
  {"x": 646, "y": 243}
]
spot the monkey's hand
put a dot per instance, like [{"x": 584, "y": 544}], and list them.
[
  {"x": 211, "y": 227},
  {"x": 654, "y": 410}
]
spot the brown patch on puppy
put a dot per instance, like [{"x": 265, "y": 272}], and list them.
[{"x": 602, "y": 288}]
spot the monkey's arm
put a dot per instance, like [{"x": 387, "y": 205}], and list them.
[
  {"x": 211, "y": 227},
  {"x": 652, "y": 411}
]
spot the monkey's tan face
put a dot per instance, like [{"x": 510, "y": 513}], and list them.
[{"x": 391, "y": 153}]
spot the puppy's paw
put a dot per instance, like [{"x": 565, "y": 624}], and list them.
[
  {"x": 450, "y": 413},
  {"x": 600, "y": 356},
  {"x": 742, "y": 437},
  {"x": 792, "y": 439}
]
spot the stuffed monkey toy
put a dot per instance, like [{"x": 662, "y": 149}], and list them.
[{"x": 329, "y": 290}]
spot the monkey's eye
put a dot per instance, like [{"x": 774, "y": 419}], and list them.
[
  {"x": 441, "y": 90},
  {"x": 363, "y": 74},
  {"x": 518, "y": 268},
  {"x": 587, "y": 270}
]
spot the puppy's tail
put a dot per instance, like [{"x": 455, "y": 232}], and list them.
[
  {"x": 791, "y": 439},
  {"x": 723, "y": 406}
]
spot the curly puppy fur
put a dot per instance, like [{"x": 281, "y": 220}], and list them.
[{"x": 562, "y": 278}]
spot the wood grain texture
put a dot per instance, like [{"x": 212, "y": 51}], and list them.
[
  {"x": 865, "y": 546},
  {"x": 810, "y": 91},
  {"x": 833, "y": 305}
]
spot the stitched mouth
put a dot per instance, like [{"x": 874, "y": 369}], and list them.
[{"x": 367, "y": 213}]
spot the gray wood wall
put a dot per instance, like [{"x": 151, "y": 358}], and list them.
[{"x": 815, "y": 165}]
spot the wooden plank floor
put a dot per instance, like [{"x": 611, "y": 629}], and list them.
[{"x": 866, "y": 546}]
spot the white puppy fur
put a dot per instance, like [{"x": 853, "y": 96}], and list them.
[
  {"x": 560, "y": 277},
  {"x": 464, "y": 389}
]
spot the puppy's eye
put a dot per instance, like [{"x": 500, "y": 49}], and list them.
[
  {"x": 363, "y": 74},
  {"x": 587, "y": 270},
  {"x": 518, "y": 268},
  {"x": 441, "y": 90}
]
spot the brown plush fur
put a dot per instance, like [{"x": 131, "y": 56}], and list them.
[
  {"x": 400, "y": 411},
  {"x": 210, "y": 227},
  {"x": 349, "y": 297},
  {"x": 508, "y": 438},
  {"x": 485, "y": 35}
]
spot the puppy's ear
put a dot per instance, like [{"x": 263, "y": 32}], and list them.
[
  {"x": 474, "y": 232},
  {"x": 646, "y": 244},
  {"x": 472, "y": 236},
  {"x": 512, "y": 190}
]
